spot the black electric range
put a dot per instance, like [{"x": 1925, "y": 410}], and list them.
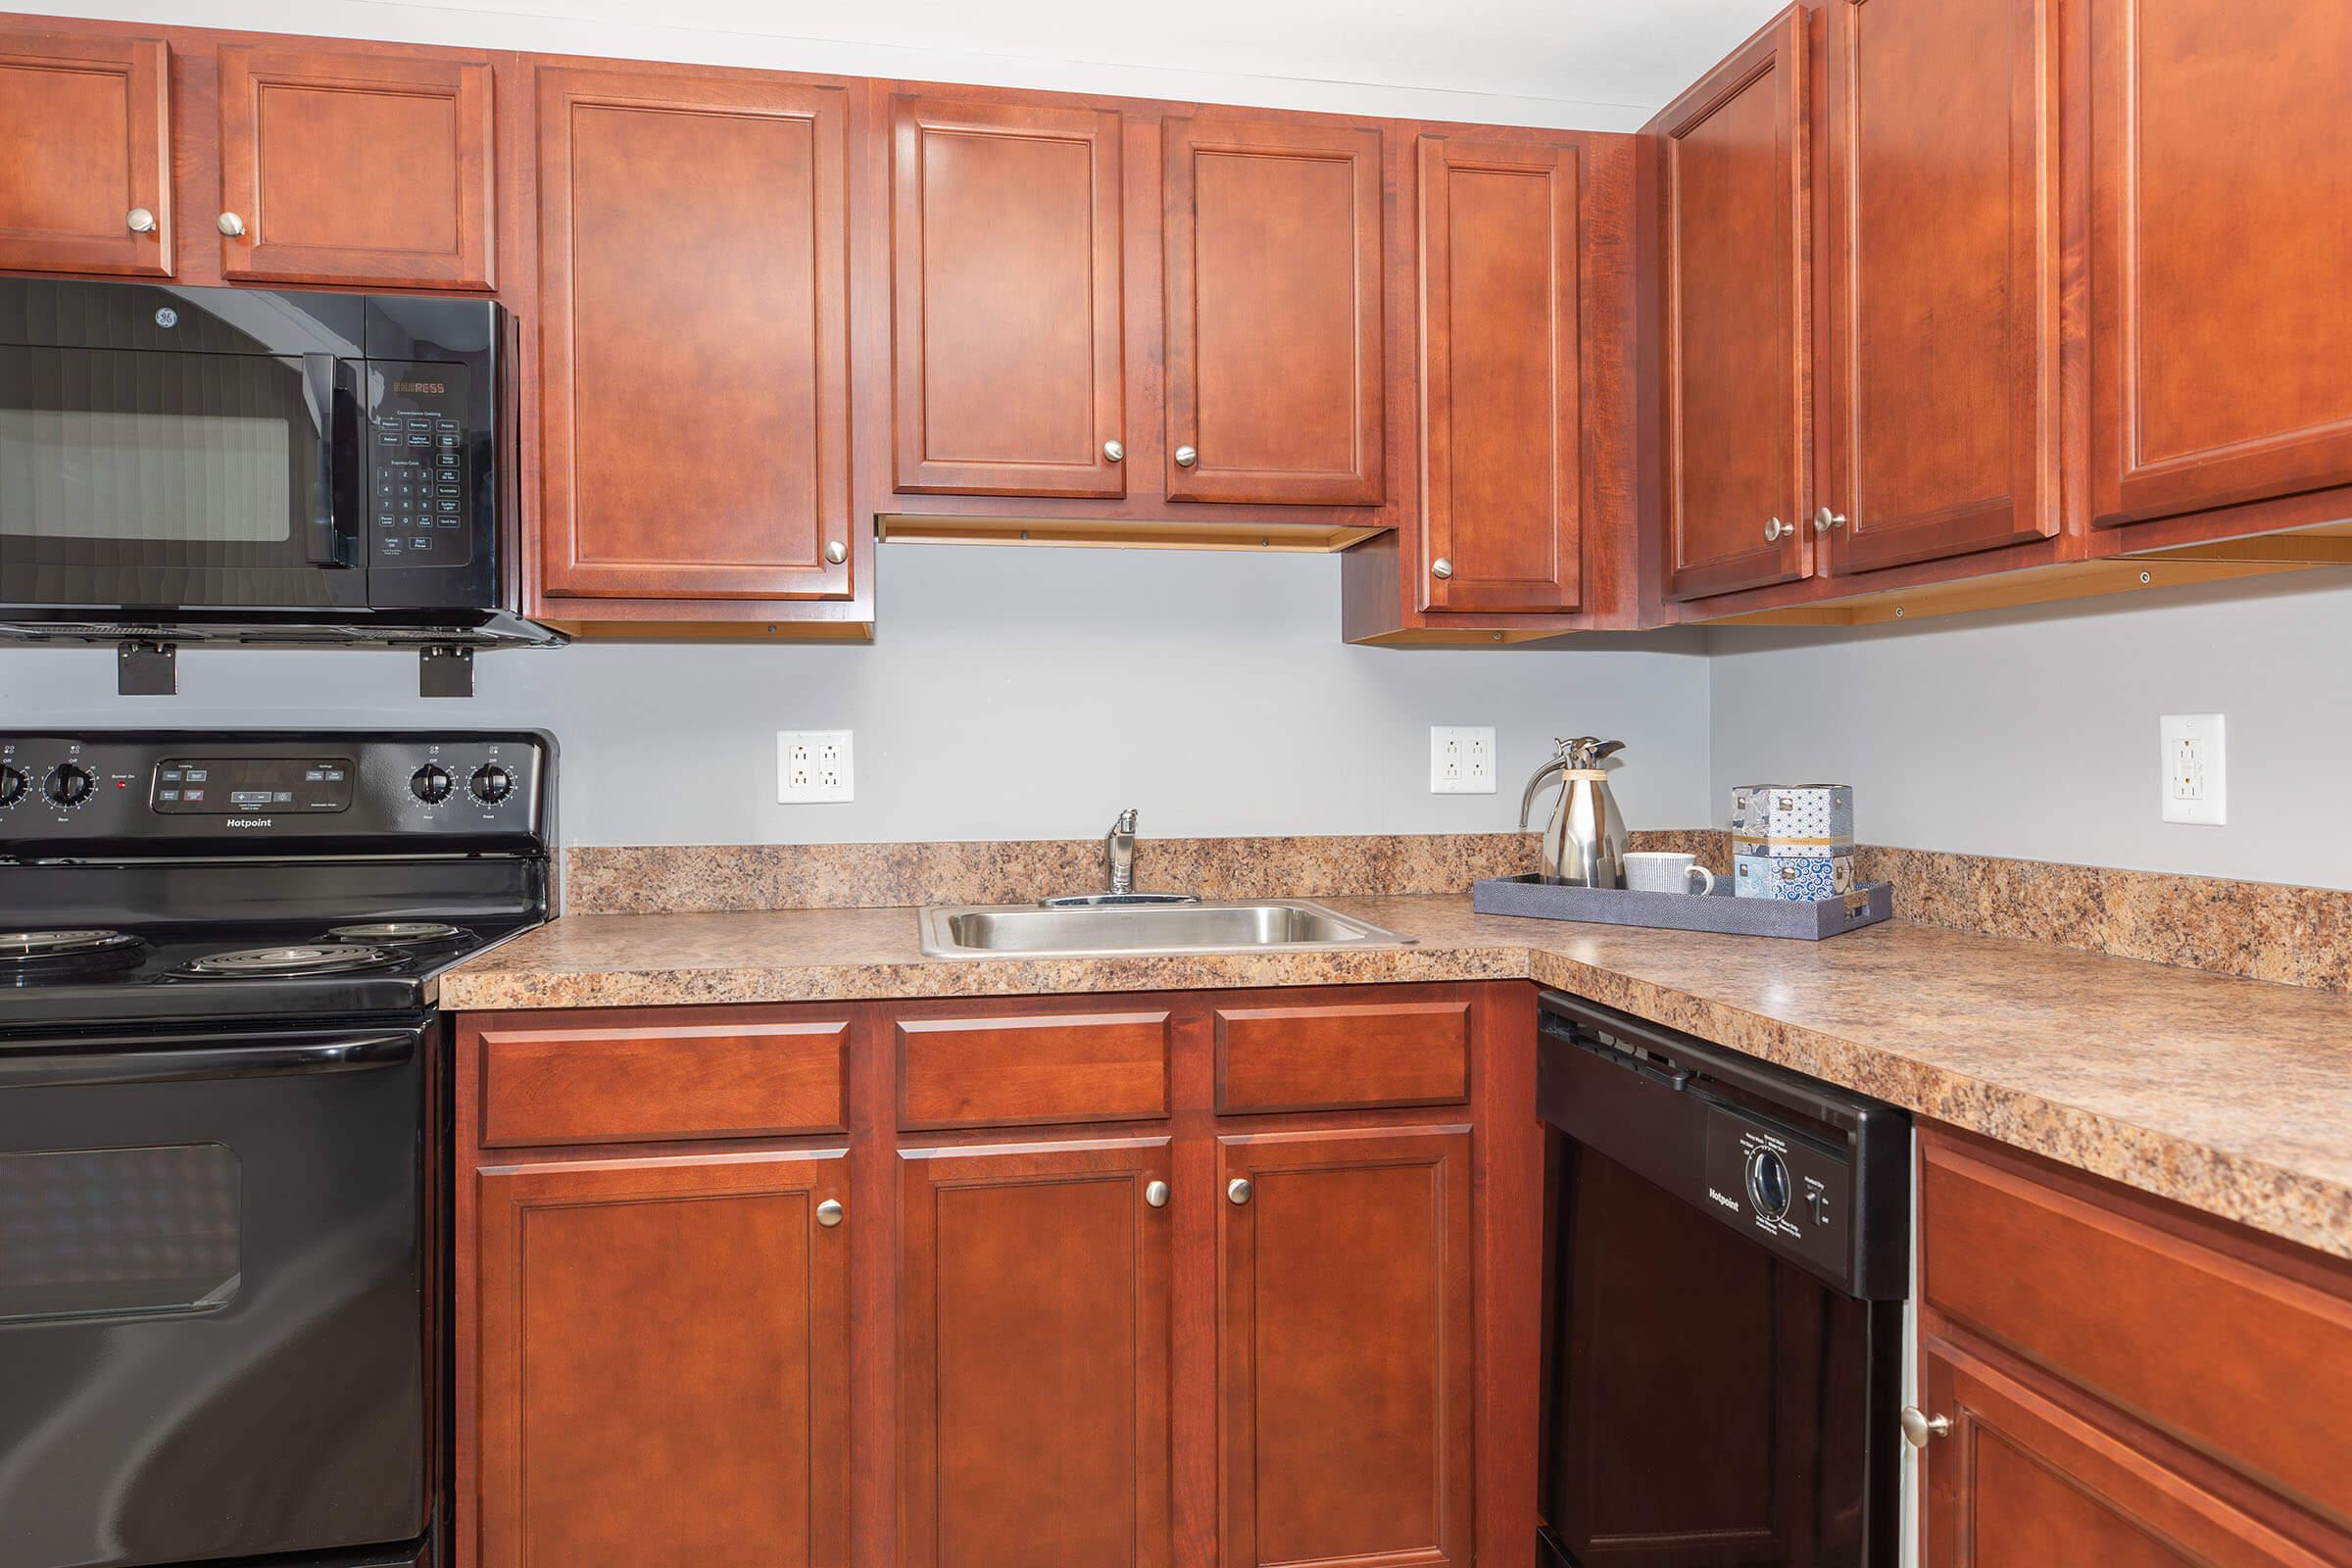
[{"x": 223, "y": 1132}]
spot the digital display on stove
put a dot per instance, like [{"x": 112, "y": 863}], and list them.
[{"x": 227, "y": 786}]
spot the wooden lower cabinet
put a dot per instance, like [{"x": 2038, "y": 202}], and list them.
[
  {"x": 663, "y": 1363},
  {"x": 1345, "y": 1348}
]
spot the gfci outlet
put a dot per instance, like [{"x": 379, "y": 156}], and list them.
[
  {"x": 815, "y": 765},
  {"x": 1462, "y": 759},
  {"x": 2196, "y": 769}
]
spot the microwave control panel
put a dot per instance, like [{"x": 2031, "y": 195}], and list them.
[{"x": 419, "y": 507}]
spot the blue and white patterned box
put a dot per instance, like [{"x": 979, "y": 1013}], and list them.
[
  {"x": 1803, "y": 822},
  {"x": 1793, "y": 879}
]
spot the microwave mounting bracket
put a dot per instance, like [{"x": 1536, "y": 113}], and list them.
[
  {"x": 445, "y": 669},
  {"x": 145, "y": 668}
]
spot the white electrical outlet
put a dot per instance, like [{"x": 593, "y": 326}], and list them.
[
  {"x": 2196, "y": 769},
  {"x": 1462, "y": 759},
  {"x": 815, "y": 765}
]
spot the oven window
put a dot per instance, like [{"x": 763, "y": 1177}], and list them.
[
  {"x": 83, "y": 474},
  {"x": 109, "y": 1232}
]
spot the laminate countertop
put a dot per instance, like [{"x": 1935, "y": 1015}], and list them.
[{"x": 2232, "y": 1096}]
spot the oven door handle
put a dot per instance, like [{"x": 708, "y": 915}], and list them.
[
  {"x": 340, "y": 1055},
  {"x": 331, "y": 394}
]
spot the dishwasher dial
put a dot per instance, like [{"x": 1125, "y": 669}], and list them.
[{"x": 1768, "y": 1184}]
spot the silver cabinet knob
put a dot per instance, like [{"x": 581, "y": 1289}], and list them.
[
  {"x": 1776, "y": 530},
  {"x": 139, "y": 220},
  {"x": 1186, "y": 457},
  {"x": 837, "y": 552},
  {"x": 1825, "y": 520},
  {"x": 1114, "y": 451},
  {"x": 1919, "y": 1427},
  {"x": 1236, "y": 1190},
  {"x": 1441, "y": 568},
  {"x": 231, "y": 225},
  {"x": 1156, "y": 1194},
  {"x": 829, "y": 1212}
]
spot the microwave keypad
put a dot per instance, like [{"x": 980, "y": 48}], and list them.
[{"x": 420, "y": 502}]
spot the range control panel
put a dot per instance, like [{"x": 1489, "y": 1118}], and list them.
[{"x": 169, "y": 790}]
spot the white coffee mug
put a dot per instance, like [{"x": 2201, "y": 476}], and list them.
[{"x": 1662, "y": 872}]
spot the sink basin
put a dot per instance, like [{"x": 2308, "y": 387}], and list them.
[{"x": 1255, "y": 925}]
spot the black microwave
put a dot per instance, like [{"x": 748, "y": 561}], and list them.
[{"x": 198, "y": 463}]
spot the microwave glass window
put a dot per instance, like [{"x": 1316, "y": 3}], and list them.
[
  {"x": 106, "y": 474},
  {"x": 113, "y": 1232}
]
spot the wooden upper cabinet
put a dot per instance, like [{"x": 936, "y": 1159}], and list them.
[
  {"x": 2221, "y": 227},
  {"x": 1734, "y": 255},
  {"x": 663, "y": 1363},
  {"x": 86, "y": 185},
  {"x": 1005, "y": 252},
  {"x": 362, "y": 169},
  {"x": 1345, "y": 1346},
  {"x": 1502, "y": 469},
  {"x": 1274, "y": 326},
  {"x": 693, "y": 397},
  {"x": 1941, "y": 403},
  {"x": 1033, "y": 1417}
]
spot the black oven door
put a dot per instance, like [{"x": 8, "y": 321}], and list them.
[
  {"x": 213, "y": 1314},
  {"x": 164, "y": 448}
]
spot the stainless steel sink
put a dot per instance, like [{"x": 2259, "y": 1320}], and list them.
[{"x": 1254, "y": 925}]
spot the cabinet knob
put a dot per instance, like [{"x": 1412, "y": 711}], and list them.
[
  {"x": 1156, "y": 1194},
  {"x": 1114, "y": 451},
  {"x": 231, "y": 225},
  {"x": 1920, "y": 1428},
  {"x": 1775, "y": 530},
  {"x": 1441, "y": 568},
  {"x": 1186, "y": 457},
  {"x": 1825, "y": 520},
  {"x": 139, "y": 220},
  {"x": 837, "y": 552},
  {"x": 1236, "y": 1190},
  {"x": 829, "y": 1212}
]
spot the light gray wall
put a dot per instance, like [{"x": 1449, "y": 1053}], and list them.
[
  {"x": 1011, "y": 692},
  {"x": 2034, "y": 733}
]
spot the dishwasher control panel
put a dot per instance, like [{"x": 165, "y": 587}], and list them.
[{"x": 1791, "y": 1194}]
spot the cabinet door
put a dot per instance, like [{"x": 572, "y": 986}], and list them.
[
  {"x": 1942, "y": 403},
  {"x": 1034, "y": 1358},
  {"x": 1345, "y": 1348},
  {"x": 362, "y": 169},
  {"x": 86, "y": 185},
  {"x": 1274, "y": 313},
  {"x": 663, "y": 1363},
  {"x": 2023, "y": 1482},
  {"x": 1005, "y": 248},
  {"x": 1501, "y": 442},
  {"x": 2222, "y": 192},
  {"x": 694, "y": 402},
  {"x": 1736, "y": 257}
]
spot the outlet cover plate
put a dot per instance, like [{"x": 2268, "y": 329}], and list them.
[
  {"x": 2195, "y": 769},
  {"x": 1462, "y": 759},
  {"x": 815, "y": 765}
]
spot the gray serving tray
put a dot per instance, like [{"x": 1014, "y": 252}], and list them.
[{"x": 1721, "y": 910}]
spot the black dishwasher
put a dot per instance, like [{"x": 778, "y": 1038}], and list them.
[{"x": 1724, "y": 1281}]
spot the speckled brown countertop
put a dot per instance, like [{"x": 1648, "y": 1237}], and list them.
[{"x": 2229, "y": 1095}]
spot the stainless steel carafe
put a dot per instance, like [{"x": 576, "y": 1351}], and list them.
[{"x": 1583, "y": 845}]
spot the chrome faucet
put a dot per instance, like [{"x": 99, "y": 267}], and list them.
[{"x": 1118, "y": 852}]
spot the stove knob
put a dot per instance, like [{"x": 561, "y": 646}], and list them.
[
  {"x": 12, "y": 785},
  {"x": 430, "y": 783},
  {"x": 66, "y": 784},
  {"x": 491, "y": 783}
]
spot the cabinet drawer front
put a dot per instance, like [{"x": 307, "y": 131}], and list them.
[
  {"x": 626, "y": 1086},
  {"x": 1329, "y": 1059},
  {"x": 2249, "y": 1366},
  {"x": 1002, "y": 1072}
]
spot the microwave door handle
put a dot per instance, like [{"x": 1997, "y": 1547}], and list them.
[
  {"x": 357, "y": 1053},
  {"x": 329, "y": 392}
]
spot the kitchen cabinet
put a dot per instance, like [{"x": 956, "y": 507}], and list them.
[
  {"x": 1034, "y": 1357},
  {"x": 692, "y": 386},
  {"x": 1940, "y": 397},
  {"x": 364, "y": 171},
  {"x": 1344, "y": 1346},
  {"x": 661, "y": 1362},
  {"x": 1735, "y": 259},
  {"x": 86, "y": 185},
  {"x": 1275, "y": 345},
  {"x": 1006, "y": 255}
]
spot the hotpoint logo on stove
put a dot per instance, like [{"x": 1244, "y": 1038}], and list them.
[{"x": 248, "y": 821}]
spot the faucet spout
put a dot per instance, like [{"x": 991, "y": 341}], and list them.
[{"x": 1118, "y": 852}]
